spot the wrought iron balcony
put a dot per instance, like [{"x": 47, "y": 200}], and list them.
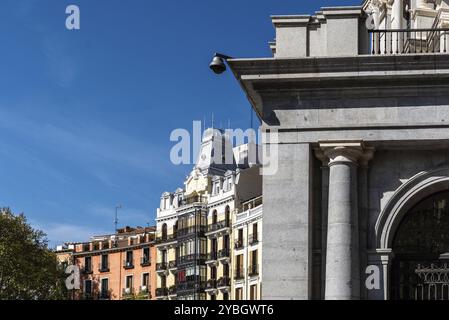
[
  {"x": 224, "y": 253},
  {"x": 172, "y": 264},
  {"x": 103, "y": 267},
  {"x": 128, "y": 264},
  {"x": 253, "y": 239},
  {"x": 211, "y": 284},
  {"x": 161, "y": 292},
  {"x": 239, "y": 274},
  {"x": 145, "y": 261},
  {"x": 409, "y": 41},
  {"x": 172, "y": 290},
  {"x": 104, "y": 295},
  {"x": 238, "y": 244},
  {"x": 193, "y": 230},
  {"x": 127, "y": 292},
  {"x": 191, "y": 285},
  {"x": 211, "y": 256},
  {"x": 161, "y": 266},
  {"x": 200, "y": 257},
  {"x": 166, "y": 238},
  {"x": 253, "y": 270},
  {"x": 218, "y": 225},
  {"x": 224, "y": 282}
]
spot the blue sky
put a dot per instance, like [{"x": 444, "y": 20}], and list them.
[{"x": 86, "y": 116}]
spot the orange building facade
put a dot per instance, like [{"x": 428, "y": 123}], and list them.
[{"x": 120, "y": 266}]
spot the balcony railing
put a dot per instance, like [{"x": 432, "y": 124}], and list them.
[
  {"x": 239, "y": 274},
  {"x": 128, "y": 264},
  {"x": 87, "y": 269},
  {"x": 218, "y": 225},
  {"x": 161, "y": 292},
  {"x": 199, "y": 230},
  {"x": 253, "y": 270},
  {"x": 191, "y": 258},
  {"x": 253, "y": 239},
  {"x": 172, "y": 264},
  {"x": 126, "y": 292},
  {"x": 224, "y": 282},
  {"x": 105, "y": 295},
  {"x": 145, "y": 261},
  {"x": 223, "y": 253},
  {"x": 211, "y": 256},
  {"x": 191, "y": 285},
  {"x": 166, "y": 238},
  {"x": 172, "y": 290},
  {"x": 238, "y": 244},
  {"x": 161, "y": 266},
  {"x": 409, "y": 41},
  {"x": 211, "y": 284},
  {"x": 103, "y": 267}
]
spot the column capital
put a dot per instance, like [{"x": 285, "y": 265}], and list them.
[{"x": 344, "y": 152}]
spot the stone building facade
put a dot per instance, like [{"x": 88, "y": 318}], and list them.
[{"x": 359, "y": 100}]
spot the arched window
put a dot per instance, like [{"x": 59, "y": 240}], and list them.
[
  {"x": 227, "y": 215},
  {"x": 214, "y": 217}
]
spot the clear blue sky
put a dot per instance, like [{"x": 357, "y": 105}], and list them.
[{"x": 85, "y": 116}]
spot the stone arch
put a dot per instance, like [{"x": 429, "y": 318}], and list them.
[{"x": 406, "y": 197}]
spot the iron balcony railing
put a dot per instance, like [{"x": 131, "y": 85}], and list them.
[
  {"x": 253, "y": 270},
  {"x": 253, "y": 239},
  {"x": 211, "y": 284},
  {"x": 172, "y": 264},
  {"x": 223, "y": 253},
  {"x": 172, "y": 290},
  {"x": 103, "y": 267},
  {"x": 166, "y": 238},
  {"x": 211, "y": 256},
  {"x": 191, "y": 258},
  {"x": 432, "y": 282},
  {"x": 191, "y": 285},
  {"x": 409, "y": 41},
  {"x": 218, "y": 225},
  {"x": 224, "y": 282},
  {"x": 161, "y": 266},
  {"x": 199, "y": 230},
  {"x": 239, "y": 274},
  {"x": 145, "y": 261},
  {"x": 128, "y": 263},
  {"x": 161, "y": 292},
  {"x": 238, "y": 244}
]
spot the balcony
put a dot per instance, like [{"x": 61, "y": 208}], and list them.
[
  {"x": 253, "y": 270},
  {"x": 186, "y": 259},
  {"x": 128, "y": 293},
  {"x": 211, "y": 258},
  {"x": 166, "y": 239},
  {"x": 253, "y": 239},
  {"x": 224, "y": 255},
  {"x": 103, "y": 267},
  {"x": 105, "y": 295},
  {"x": 211, "y": 284},
  {"x": 172, "y": 265},
  {"x": 409, "y": 41},
  {"x": 223, "y": 282},
  {"x": 172, "y": 291},
  {"x": 239, "y": 274},
  {"x": 144, "y": 293},
  {"x": 161, "y": 292},
  {"x": 218, "y": 226},
  {"x": 238, "y": 244},
  {"x": 161, "y": 267},
  {"x": 191, "y": 231},
  {"x": 87, "y": 269},
  {"x": 197, "y": 286},
  {"x": 145, "y": 261},
  {"x": 128, "y": 264}
]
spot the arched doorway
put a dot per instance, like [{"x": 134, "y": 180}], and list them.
[{"x": 420, "y": 268}]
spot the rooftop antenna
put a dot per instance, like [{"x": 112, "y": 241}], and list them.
[
  {"x": 212, "y": 120},
  {"x": 116, "y": 217},
  {"x": 229, "y": 123},
  {"x": 204, "y": 122}
]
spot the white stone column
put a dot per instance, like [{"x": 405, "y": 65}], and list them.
[{"x": 342, "y": 254}]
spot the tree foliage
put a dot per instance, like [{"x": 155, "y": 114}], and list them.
[{"x": 28, "y": 268}]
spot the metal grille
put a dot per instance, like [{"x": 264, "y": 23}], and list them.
[{"x": 433, "y": 282}]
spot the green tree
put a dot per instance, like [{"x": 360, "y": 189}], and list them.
[{"x": 28, "y": 268}]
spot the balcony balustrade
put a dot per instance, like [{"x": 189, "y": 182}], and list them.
[
  {"x": 218, "y": 226},
  {"x": 161, "y": 266},
  {"x": 409, "y": 41},
  {"x": 211, "y": 284},
  {"x": 224, "y": 282}
]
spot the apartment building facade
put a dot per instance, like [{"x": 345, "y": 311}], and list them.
[
  {"x": 118, "y": 266},
  {"x": 194, "y": 224},
  {"x": 358, "y": 98}
]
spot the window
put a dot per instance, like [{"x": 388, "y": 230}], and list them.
[
  {"x": 214, "y": 217},
  {"x": 145, "y": 255},
  {"x": 255, "y": 232},
  {"x": 164, "y": 231},
  {"x": 129, "y": 258},
  {"x": 225, "y": 296},
  {"x": 104, "y": 262},
  {"x": 239, "y": 294},
  {"x": 146, "y": 280},
  {"x": 163, "y": 281},
  {"x": 129, "y": 282},
  {"x": 88, "y": 287},
  {"x": 213, "y": 273},
  {"x": 239, "y": 266},
  {"x": 104, "y": 288},
  {"x": 87, "y": 264},
  {"x": 253, "y": 292}
]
